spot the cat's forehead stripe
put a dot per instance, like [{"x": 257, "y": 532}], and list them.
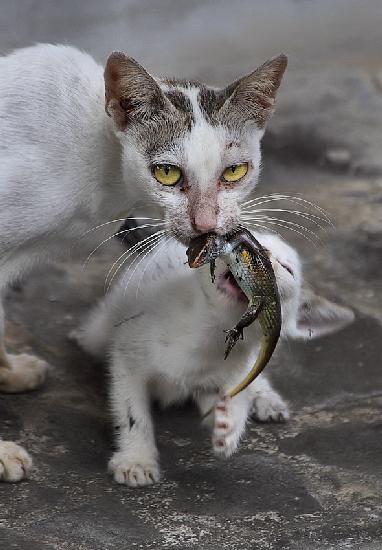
[
  {"x": 194, "y": 98},
  {"x": 180, "y": 100}
]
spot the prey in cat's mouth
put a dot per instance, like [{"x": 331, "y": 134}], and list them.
[{"x": 228, "y": 286}]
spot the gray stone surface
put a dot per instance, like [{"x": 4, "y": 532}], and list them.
[{"x": 312, "y": 484}]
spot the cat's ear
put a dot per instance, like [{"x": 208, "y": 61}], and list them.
[
  {"x": 254, "y": 95},
  {"x": 130, "y": 92},
  {"x": 318, "y": 316}
]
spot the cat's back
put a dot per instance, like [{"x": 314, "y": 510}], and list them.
[
  {"x": 56, "y": 144},
  {"x": 46, "y": 89}
]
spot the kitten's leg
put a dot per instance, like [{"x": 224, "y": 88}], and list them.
[
  {"x": 227, "y": 420},
  {"x": 267, "y": 404},
  {"x": 19, "y": 373},
  {"x": 136, "y": 461}
]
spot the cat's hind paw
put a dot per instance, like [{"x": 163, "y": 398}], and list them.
[
  {"x": 15, "y": 462},
  {"x": 128, "y": 470},
  {"x": 226, "y": 432},
  {"x": 270, "y": 407}
]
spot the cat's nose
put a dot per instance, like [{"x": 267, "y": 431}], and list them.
[{"x": 204, "y": 221}]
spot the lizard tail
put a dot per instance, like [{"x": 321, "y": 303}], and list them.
[{"x": 266, "y": 350}]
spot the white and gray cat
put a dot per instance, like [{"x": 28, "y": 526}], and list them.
[
  {"x": 162, "y": 330},
  {"x": 67, "y": 166}
]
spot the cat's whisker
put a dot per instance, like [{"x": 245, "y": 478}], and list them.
[
  {"x": 126, "y": 255},
  {"x": 129, "y": 252},
  {"x": 124, "y": 231},
  {"x": 291, "y": 198},
  {"x": 307, "y": 215},
  {"x": 282, "y": 224},
  {"x": 287, "y": 222},
  {"x": 292, "y": 201},
  {"x": 244, "y": 224},
  {"x": 120, "y": 220},
  {"x": 166, "y": 241},
  {"x": 142, "y": 256},
  {"x": 135, "y": 255}
]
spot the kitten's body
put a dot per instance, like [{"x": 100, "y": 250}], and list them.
[{"x": 164, "y": 334}]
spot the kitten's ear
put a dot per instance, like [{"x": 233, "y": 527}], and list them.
[
  {"x": 130, "y": 92},
  {"x": 317, "y": 316},
  {"x": 254, "y": 94}
]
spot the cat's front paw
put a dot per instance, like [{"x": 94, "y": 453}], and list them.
[
  {"x": 15, "y": 462},
  {"x": 226, "y": 430},
  {"x": 27, "y": 373},
  {"x": 135, "y": 471},
  {"x": 270, "y": 407}
]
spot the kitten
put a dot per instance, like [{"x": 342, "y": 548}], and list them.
[
  {"x": 165, "y": 341},
  {"x": 66, "y": 166}
]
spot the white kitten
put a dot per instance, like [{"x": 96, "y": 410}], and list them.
[
  {"x": 166, "y": 342},
  {"x": 66, "y": 166}
]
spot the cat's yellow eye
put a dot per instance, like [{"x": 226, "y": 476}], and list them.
[
  {"x": 167, "y": 174},
  {"x": 235, "y": 172}
]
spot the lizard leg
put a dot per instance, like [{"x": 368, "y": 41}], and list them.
[
  {"x": 212, "y": 270},
  {"x": 247, "y": 319}
]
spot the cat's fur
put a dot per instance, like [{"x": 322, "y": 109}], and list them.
[
  {"x": 164, "y": 336},
  {"x": 67, "y": 166}
]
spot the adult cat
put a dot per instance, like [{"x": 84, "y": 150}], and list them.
[{"x": 66, "y": 166}]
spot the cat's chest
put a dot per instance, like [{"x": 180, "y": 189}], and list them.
[{"x": 190, "y": 350}]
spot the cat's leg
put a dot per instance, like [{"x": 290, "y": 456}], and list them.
[
  {"x": 136, "y": 461},
  {"x": 15, "y": 462},
  {"x": 19, "y": 373},
  {"x": 267, "y": 404},
  {"x": 227, "y": 419},
  {"x": 229, "y": 415}
]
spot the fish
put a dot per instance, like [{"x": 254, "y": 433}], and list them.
[{"x": 252, "y": 270}]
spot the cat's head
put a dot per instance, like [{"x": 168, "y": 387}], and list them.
[{"x": 193, "y": 149}]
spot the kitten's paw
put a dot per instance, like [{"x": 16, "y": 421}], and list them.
[
  {"x": 270, "y": 407},
  {"x": 129, "y": 470},
  {"x": 15, "y": 462},
  {"x": 26, "y": 373},
  {"x": 226, "y": 431}
]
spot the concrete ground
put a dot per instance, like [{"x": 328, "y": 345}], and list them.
[{"x": 314, "y": 483}]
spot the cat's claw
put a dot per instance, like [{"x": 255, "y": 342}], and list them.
[
  {"x": 133, "y": 472},
  {"x": 15, "y": 462},
  {"x": 226, "y": 433}
]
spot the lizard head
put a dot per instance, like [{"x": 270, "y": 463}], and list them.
[{"x": 205, "y": 249}]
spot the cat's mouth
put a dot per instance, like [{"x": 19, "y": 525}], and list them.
[{"x": 228, "y": 286}]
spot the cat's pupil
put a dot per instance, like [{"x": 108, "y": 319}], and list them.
[
  {"x": 166, "y": 169},
  {"x": 233, "y": 168}
]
